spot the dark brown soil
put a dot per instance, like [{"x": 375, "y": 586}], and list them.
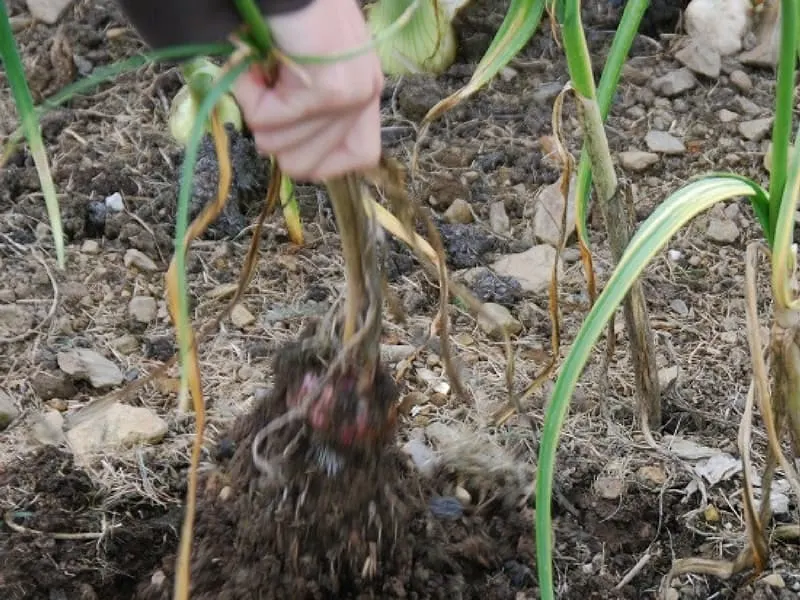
[{"x": 254, "y": 541}]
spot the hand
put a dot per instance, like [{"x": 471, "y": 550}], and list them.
[{"x": 329, "y": 126}]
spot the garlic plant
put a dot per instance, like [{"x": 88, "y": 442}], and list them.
[{"x": 425, "y": 44}]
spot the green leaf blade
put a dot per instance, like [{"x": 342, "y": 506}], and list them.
[
  {"x": 678, "y": 210},
  {"x": 31, "y": 128}
]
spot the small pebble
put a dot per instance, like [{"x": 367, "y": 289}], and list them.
[
  {"x": 138, "y": 259},
  {"x": 463, "y": 495},
  {"x": 90, "y": 247},
  {"x": 448, "y": 507},
  {"x": 741, "y": 80},
  {"x": 114, "y": 202}
]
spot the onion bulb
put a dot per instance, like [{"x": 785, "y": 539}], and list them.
[
  {"x": 425, "y": 44},
  {"x": 200, "y": 75}
]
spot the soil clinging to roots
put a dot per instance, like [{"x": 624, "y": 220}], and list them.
[{"x": 371, "y": 527}]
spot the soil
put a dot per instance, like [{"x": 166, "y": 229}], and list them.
[{"x": 109, "y": 529}]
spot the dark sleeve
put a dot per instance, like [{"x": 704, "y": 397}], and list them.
[{"x": 164, "y": 23}]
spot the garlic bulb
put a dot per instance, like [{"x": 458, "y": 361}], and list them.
[
  {"x": 425, "y": 44},
  {"x": 200, "y": 75}
]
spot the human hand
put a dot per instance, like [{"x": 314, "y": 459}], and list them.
[{"x": 330, "y": 125}]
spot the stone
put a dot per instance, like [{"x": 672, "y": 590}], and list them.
[
  {"x": 774, "y": 580},
  {"x": 142, "y": 309},
  {"x": 90, "y": 247},
  {"x": 125, "y": 343},
  {"x": 8, "y": 411},
  {"x": 532, "y": 268},
  {"x": 118, "y": 427},
  {"x": 138, "y": 259},
  {"x": 48, "y": 11},
  {"x": 114, "y": 202},
  {"x": 494, "y": 319},
  {"x": 637, "y": 160},
  {"x": 48, "y": 428},
  {"x": 741, "y": 80},
  {"x": 722, "y": 231},
  {"x": 241, "y": 317},
  {"x": 746, "y": 106},
  {"x": 674, "y": 83},
  {"x": 394, "y": 353},
  {"x": 85, "y": 364},
  {"x": 667, "y": 376},
  {"x": 663, "y": 142},
  {"x": 726, "y": 116},
  {"x": 679, "y": 306},
  {"x": 720, "y": 24},
  {"x": 459, "y": 212},
  {"x": 547, "y": 213},
  {"x": 462, "y": 495},
  {"x": 15, "y": 320},
  {"x": 700, "y": 58},
  {"x": 53, "y": 385},
  {"x": 609, "y": 487},
  {"x": 757, "y": 129},
  {"x": 637, "y": 76},
  {"x": 498, "y": 218}
]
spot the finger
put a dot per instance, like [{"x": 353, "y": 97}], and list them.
[
  {"x": 291, "y": 101},
  {"x": 361, "y": 149},
  {"x": 286, "y": 138},
  {"x": 301, "y": 161}
]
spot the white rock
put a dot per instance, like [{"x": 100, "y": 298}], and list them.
[
  {"x": 667, "y": 376},
  {"x": 726, "y": 116},
  {"x": 637, "y": 160},
  {"x": 723, "y": 231},
  {"x": 241, "y": 317},
  {"x": 421, "y": 455},
  {"x": 532, "y": 268},
  {"x": 663, "y": 142},
  {"x": 757, "y": 129},
  {"x": 117, "y": 427},
  {"x": 495, "y": 318},
  {"x": 140, "y": 260},
  {"x": 674, "y": 83},
  {"x": 114, "y": 202},
  {"x": 548, "y": 211},
  {"x": 48, "y": 11},
  {"x": 48, "y": 428},
  {"x": 462, "y": 495},
  {"x": 142, "y": 309},
  {"x": 700, "y": 58},
  {"x": 459, "y": 212},
  {"x": 674, "y": 255},
  {"x": 498, "y": 218},
  {"x": 774, "y": 580},
  {"x": 82, "y": 363},
  {"x": 90, "y": 247},
  {"x": 720, "y": 24},
  {"x": 8, "y": 411}
]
